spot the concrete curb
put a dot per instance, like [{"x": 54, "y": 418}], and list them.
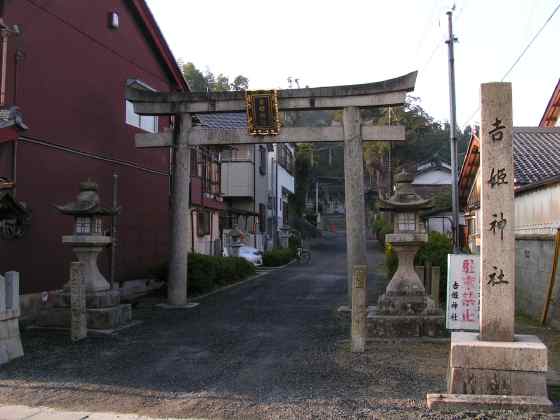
[
  {"x": 22, "y": 412},
  {"x": 242, "y": 282}
]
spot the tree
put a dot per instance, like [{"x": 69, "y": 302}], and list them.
[
  {"x": 240, "y": 83},
  {"x": 302, "y": 176},
  {"x": 195, "y": 79},
  {"x": 207, "y": 81}
]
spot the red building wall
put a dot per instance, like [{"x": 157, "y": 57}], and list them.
[{"x": 70, "y": 88}]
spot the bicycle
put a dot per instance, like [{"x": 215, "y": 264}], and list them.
[{"x": 303, "y": 255}]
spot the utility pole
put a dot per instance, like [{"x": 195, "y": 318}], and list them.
[{"x": 453, "y": 135}]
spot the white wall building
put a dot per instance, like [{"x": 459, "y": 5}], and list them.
[{"x": 280, "y": 184}]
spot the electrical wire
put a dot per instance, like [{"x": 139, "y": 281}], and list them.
[{"x": 518, "y": 59}]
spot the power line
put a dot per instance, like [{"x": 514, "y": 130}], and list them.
[{"x": 507, "y": 73}]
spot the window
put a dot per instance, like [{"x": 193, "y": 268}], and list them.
[
  {"x": 406, "y": 222},
  {"x": 144, "y": 122},
  {"x": 262, "y": 218},
  {"x": 263, "y": 155},
  {"x": 205, "y": 164},
  {"x": 238, "y": 152},
  {"x": 285, "y": 158},
  {"x": 203, "y": 223}
]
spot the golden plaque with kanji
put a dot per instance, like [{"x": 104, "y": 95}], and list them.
[{"x": 262, "y": 112}]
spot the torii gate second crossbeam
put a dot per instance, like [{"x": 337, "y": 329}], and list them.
[{"x": 349, "y": 98}]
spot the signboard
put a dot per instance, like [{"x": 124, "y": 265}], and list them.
[
  {"x": 463, "y": 292},
  {"x": 262, "y": 112}
]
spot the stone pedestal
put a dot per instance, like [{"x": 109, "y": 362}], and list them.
[
  {"x": 104, "y": 312},
  {"x": 497, "y": 367},
  {"x": 405, "y": 310},
  {"x": 10, "y": 341},
  {"x": 87, "y": 248},
  {"x": 495, "y": 374}
]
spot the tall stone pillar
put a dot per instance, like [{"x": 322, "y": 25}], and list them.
[
  {"x": 497, "y": 246},
  {"x": 496, "y": 362},
  {"x": 177, "y": 282},
  {"x": 355, "y": 226},
  {"x": 354, "y": 193}
]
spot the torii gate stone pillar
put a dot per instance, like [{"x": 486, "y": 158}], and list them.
[{"x": 348, "y": 98}]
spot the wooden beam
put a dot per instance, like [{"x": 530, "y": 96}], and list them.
[
  {"x": 385, "y": 93},
  {"x": 215, "y": 136}
]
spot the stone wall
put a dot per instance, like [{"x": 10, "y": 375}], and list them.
[{"x": 533, "y": 266}]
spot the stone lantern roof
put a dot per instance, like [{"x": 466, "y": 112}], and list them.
[
  {"x": 404, "y": 198},
  {"x": 87, "y": 203}
]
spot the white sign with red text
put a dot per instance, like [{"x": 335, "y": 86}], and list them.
[{"x": 463, "y": 292}]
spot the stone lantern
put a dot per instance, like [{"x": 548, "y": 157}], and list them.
[
  {"x": 88, "y": 239},
  {"x": 235, "y": 235},
  {"x": 403, "y": 309},
  {"x": 104, "y": 310}
]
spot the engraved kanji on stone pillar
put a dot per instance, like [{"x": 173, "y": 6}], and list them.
[{"x": 497, "y": 280}]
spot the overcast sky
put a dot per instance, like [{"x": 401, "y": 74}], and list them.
[{"x": 357, "y": 41}]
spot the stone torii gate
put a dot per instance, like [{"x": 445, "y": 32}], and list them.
[{"x": 348, "y": 98}]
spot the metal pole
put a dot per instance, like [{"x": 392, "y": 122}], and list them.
[
  {"x": 316, "y": 197},
  {"x": 453, "y": 136},
  {"x": 114, "y": 232}
]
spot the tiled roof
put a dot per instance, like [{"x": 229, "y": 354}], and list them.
[
  {"x": 536, "y": 154},
  {"x": 223, "y": 120}
]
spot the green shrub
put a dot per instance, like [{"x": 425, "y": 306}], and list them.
[
  {"x": 435, "y": 251},
  {"x": 206, "y": 273},
  {"x": 278, "y": 257},
  {"x": 391, "y": 261},
  {"x": 381, "y": 227}
]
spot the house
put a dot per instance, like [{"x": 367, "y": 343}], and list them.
[
  {"x": 255, "y": 182},
  {"x": 536, "y": 161},
  {"x": 67, "y": 67},
  {"x": 432, "y": 177},
  {"x": 552, "y": 111},
  {"x": 281, "y": 185}
]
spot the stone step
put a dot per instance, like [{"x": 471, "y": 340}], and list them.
[{"x": 462, "y": 402}]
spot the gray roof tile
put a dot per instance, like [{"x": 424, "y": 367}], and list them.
[
  {"x": 223, "y": 120},
  {"x": 536, "y": 154}
]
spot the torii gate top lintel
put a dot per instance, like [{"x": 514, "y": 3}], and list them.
[{"x": 384, "y": 93}]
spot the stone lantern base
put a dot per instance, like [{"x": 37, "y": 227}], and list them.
[
  {"x": 405, "y": 310},
  {"x": 405, "y": 326},
  {"x": 104, "y": 311}
]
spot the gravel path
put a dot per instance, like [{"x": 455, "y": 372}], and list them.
[{"x": 274, "y": 348}]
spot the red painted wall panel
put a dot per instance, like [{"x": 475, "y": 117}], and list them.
[{"x": 70, "y": 87}]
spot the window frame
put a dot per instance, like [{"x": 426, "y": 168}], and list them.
[{"x": 142, "y": 122}]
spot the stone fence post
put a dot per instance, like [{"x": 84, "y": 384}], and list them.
[{"x": 10, "y": 341}]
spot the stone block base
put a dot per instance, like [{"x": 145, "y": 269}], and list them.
[
  {"x": 10, "y": 341},
  {"x": 391, "y": 326},
  {"x": 479, "y": 369},
  {"x": 97, "y": 319},
  {"x": 458, "y": 402},
  {"x": 496, "y": 382},
  {"x": 104, "y": 299}
]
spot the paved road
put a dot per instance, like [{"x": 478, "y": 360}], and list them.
[{"x": 272, "y": 347}]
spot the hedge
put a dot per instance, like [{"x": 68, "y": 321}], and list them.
[
  {"x": 435, "y": 251},
  {"x": 278, "y": 257},
  {"x": 206, "y": 273}
]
